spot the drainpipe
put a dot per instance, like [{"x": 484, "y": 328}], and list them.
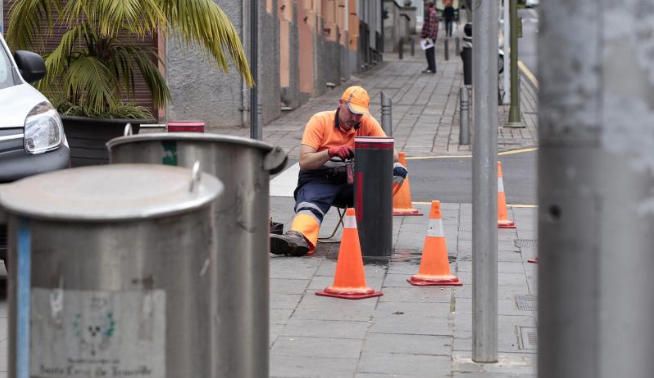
[
  {"x": 255, "y": 110},
  {"x": 245, "y": 110}
]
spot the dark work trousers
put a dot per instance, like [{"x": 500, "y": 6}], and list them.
[
  {"x": 448, "y": 27},
  {"x": 319, "y": 189},
  {"x": 430, "y": 53}
]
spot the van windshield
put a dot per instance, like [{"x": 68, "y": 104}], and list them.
[{"x": 7, "y": 74}]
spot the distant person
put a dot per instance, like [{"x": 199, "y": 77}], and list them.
[
  {"x": 430, "y": 32},
  {"x": 448, "y": 15},
  {"x": 328, "y": 136}
]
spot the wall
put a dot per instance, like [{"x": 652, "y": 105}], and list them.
[
  {"x": 268, "y": 82},
  {"x": 200, "y": 90},
  {"x": 303, "y": 45},
  {"x": 306, "y": 21},
  {"x": 288, "y": 60}
]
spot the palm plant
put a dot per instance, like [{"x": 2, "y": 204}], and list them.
[{"x": 94, "y": 67}]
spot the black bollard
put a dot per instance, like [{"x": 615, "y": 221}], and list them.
[{"x": 373, "y": 201}]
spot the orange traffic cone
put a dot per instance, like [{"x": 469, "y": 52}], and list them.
[
  {"x": 402, "y": 204},
  {"x": 434, "y": 267},
  {"x": 502, "y": 218},
  {"x": 350, "y": 277}
]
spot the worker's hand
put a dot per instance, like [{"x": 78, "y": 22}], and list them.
[
  {"x": 343, "y": 152},
  {"x": 399, "y": 174}
]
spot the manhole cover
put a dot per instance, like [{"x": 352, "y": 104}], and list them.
[
  {"x": 526, "y": 302},
  {"x": 525, "y": 243},
  {"x": 528, "y": 338}
]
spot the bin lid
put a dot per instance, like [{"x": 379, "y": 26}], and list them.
[
  {"x": 274, "y": 160},
  {"x": 110, "y": 192},
  {"x": 189, "y": 137}
]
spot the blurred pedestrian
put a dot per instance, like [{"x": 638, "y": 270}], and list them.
[
  {"x": 430, "y": 32},
  {"x": 448, "y": 15}
]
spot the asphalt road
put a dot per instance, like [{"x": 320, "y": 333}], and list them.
[{"x": 450, "y": 179}]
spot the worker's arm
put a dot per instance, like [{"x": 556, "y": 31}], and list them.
[{"x": 312, "y": 159}]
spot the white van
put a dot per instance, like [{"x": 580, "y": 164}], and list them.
[{"x": 32, "y": 138}]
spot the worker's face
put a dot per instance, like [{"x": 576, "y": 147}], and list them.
[{"x": 347, "y": 119}]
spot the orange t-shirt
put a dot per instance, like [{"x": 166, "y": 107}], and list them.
[{"x": 321, "y": 131}]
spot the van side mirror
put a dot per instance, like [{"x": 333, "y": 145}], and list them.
[{"x": 30, "y": 64}]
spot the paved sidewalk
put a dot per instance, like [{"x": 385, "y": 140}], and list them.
[{"x": 409, "y": 331}]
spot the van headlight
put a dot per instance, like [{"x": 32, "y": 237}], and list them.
[{"x": 43, "y": 129}]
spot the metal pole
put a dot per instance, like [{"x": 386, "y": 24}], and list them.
[
  {"x": 505, "y": 71},
  {"x": 596, "y": 207},
  {"x": 514, "y": 109},
  {"x": 464, "y": 121},
  {"x": 484, "y": 182},
  {"x": 446, "y": 49},
  {"x": 255, "y": 126},
  {"x": 457, "y": 37},
  {"x": 387, "y": 114}
]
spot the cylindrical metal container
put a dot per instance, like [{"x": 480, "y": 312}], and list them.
[
  {"x": 373, "y": 200},
  {"x": 108, "y": 272},
  {"x": 242, "y": 218}
]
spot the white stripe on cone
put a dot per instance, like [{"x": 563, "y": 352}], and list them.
[
  {"x": 349, "y": 222},
  {"x": 500, "y": 185},
  {"x": 435, "y": 228}
]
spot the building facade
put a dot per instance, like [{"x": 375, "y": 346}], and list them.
[{"x": 305, "y": 47}]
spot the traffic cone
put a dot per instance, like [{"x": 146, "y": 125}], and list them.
[
  {"x": 402, "y": 205},
  {"x": 434, "y": 267},
  {"x": 350, "y": 277},
  {"x": 502, "y": 218}
]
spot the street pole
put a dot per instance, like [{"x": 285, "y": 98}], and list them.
[
  {"x": 386, "y": 114},
  {"x": 514, "y": 109},
  {"x": 505, "y": 42},
  {"x": 255, "y": 108},
  {"x": 484, "y": 181},
  {"x": 595, "y": 180},
  {"x": 464, "y": 121}
]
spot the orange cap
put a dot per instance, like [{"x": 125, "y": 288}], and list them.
[{"x": 357, "y": 100}]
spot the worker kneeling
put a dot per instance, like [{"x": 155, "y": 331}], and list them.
[{"x": 327, "y": 145}]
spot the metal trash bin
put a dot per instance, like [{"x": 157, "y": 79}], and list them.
[
  {"x": 108, "y": 272},
  {"x": 242, "y": 221}
]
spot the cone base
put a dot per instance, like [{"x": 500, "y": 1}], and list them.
[
  {"x": 406, "y": 212},
  {"x": 533, "y": 261},
  {"x": 349, "y": 293},
  {"x": 505, "y": 224},
  {"x": 420, "y": 280}
]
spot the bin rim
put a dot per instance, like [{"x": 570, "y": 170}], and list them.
[
  {"x": 190, "y": 137},
  {"x": 52, "y": 196}
]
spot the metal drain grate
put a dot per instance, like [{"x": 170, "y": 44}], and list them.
[
  {"x": 528, "y": 338},
  {"x": 525, "y": 243},
  {"x": 526, "y": 302}
]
